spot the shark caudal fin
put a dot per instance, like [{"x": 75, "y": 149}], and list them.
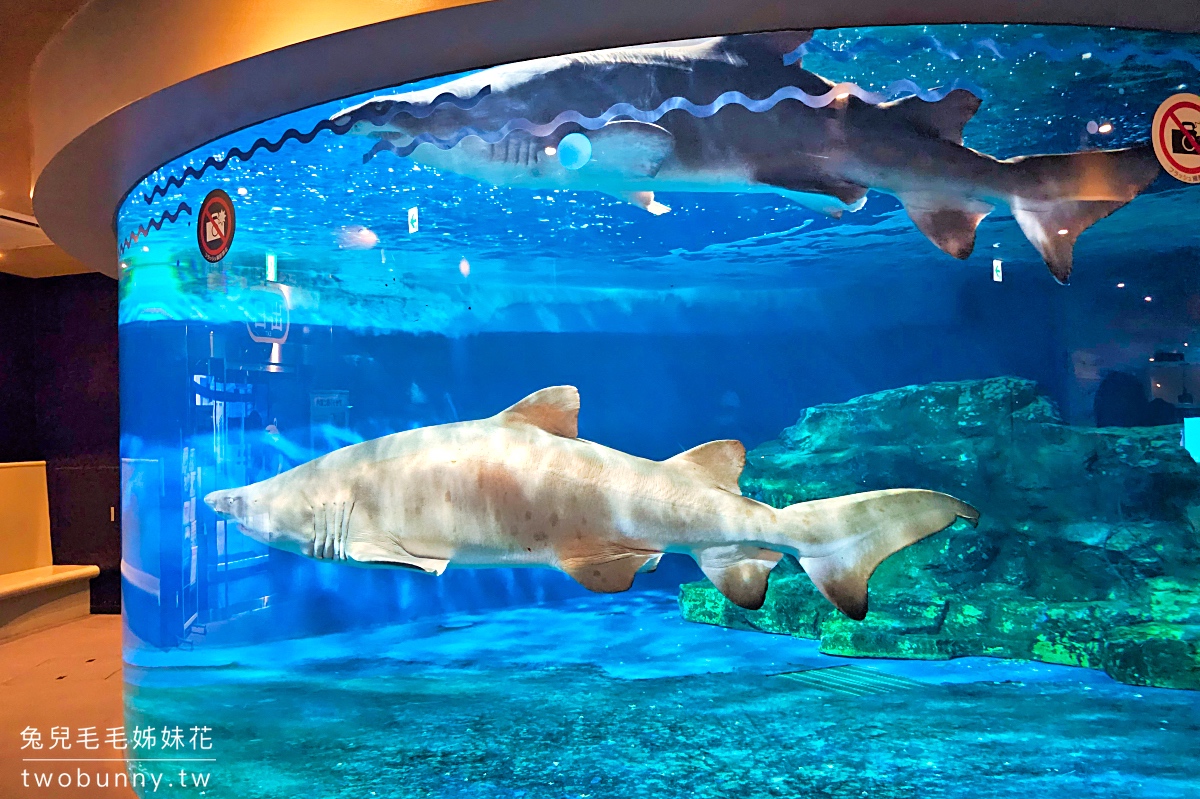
[
  {"x": 1060, "y": 196},
  {"x": 850, "y": 536}
]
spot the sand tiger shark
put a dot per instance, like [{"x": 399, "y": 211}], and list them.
[
  {"x": 825, "y": 157},
  {"x": 522, "y": 489}
]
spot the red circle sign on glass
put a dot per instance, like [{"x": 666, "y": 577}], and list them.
[
  {"x": 215, "y": 226},
  {"x": 1176, "y": 135}
]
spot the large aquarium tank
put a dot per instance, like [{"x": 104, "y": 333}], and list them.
[{"x": 802, "y": 414}]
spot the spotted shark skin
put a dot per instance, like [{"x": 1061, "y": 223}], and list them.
[
  {"x": 522, "y": 489},
  {"x": 825, "y": 156}
]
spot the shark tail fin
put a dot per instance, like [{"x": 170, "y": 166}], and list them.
[
  {"x": 1060, "y": 196},
  {"x": 850, "y": 536}
]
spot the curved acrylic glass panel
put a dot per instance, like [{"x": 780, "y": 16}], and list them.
[{"x": 357, "y": 562}]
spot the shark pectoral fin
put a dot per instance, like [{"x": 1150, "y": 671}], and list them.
[
  {"x": 943, "y": 119},
  {"x": 630, "y": 149},
  {"x": 644, "y": 200},
  {"x": 1053, "y": 227},
  {"x": 374, "y": 555},
  {"x": 720, "y": 462},
  {"x": 650, "y": 565},
  {"x": 608, "y": 573},
  {"x": 950, "y": 226},
  {"x": 739, "y": 572},
  {"x": 554, "y": 409},
  {"x": 827, "y": 195},
  {"x": 855, "y": 533}
]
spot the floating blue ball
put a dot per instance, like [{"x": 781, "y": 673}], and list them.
[{"x": 574, "y": 151}]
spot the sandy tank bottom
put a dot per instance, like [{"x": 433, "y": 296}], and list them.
[{"x": 619, "y": 697}]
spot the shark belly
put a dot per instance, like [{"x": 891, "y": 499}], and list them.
[{"x": 492, "y": 497}]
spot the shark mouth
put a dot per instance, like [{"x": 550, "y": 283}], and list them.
[{"x": 263, "y": 536}]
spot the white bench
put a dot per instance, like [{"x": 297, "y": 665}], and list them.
[{"x": 34, "y": 592}]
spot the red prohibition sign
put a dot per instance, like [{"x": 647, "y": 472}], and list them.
[
  {"x": 215, "y": 225},
  {"x": 1165, "y": 147}
]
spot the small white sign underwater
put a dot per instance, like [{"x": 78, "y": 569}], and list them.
[{"x": 1191, "y": 437}]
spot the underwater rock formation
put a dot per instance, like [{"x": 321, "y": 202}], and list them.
[{"x": 1087, "y": 552}]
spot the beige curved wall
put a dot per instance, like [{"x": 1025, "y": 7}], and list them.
[{"x": 115, "y": 52}]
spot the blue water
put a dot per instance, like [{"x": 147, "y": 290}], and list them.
[
  {"x": 330, "y": 323},
  {"x": 618, "y": 697}
]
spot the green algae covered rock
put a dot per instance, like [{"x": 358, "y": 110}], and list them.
[
  {"x": 1087, "y": 553},
  {"x": 1165, "y": 655}
]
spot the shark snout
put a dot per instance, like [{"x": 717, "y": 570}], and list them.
[
  {"x": 375, "y": 123},
  {"x": 359, "y": 128},
  {"x": 225, "y": 502},
  {"x": 264, "y": 517}
]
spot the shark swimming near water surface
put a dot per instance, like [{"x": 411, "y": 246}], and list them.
[
  {"x": 522, "y": 489},
  {"x": 825, "y": 157}
]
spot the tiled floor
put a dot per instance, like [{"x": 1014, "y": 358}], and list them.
[{"x": 67, "y": 676}]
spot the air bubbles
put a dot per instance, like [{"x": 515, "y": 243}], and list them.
[{"x": 242, "y": 191}]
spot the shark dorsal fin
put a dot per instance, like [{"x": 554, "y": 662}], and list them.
[
  {"x": 554, "y": 409},
  {"x": 719, "y": 461},
  {"x": 775, "y": 43},
  {"x": 943, "y": 119}
]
